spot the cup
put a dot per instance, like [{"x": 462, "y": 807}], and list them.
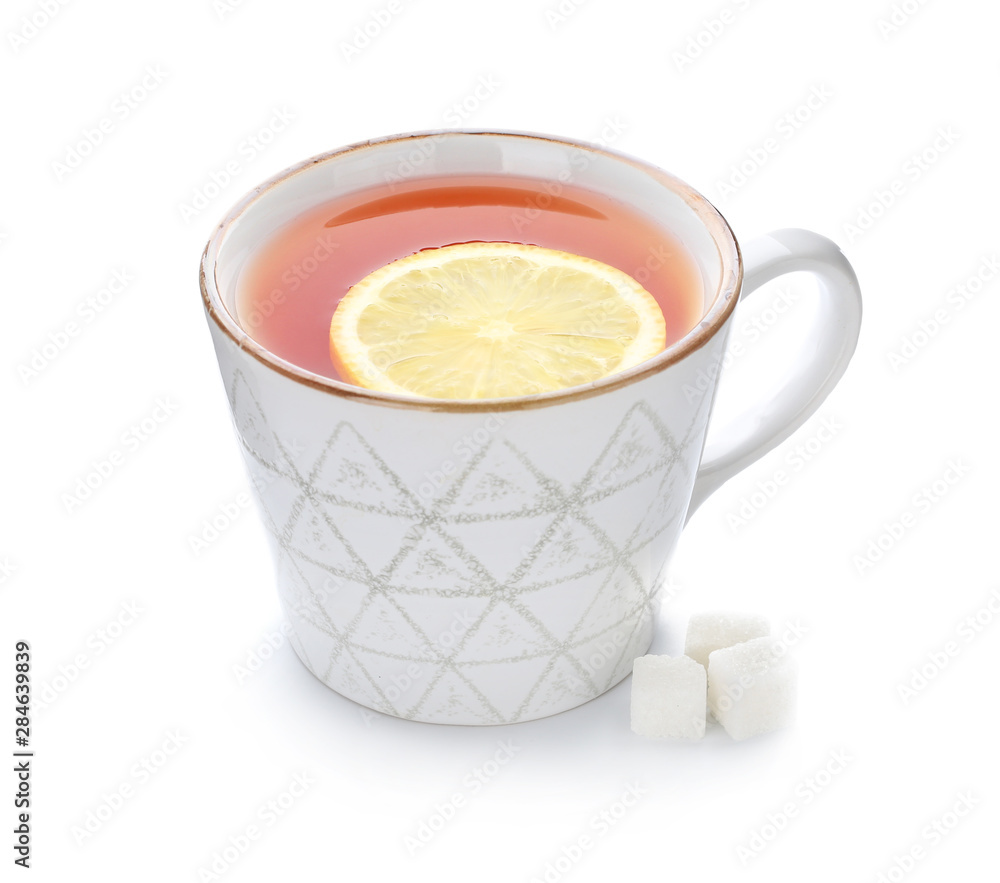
[{"x": 488, "y": 562}]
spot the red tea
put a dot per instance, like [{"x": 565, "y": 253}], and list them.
[{"x": 290, "y": 288}]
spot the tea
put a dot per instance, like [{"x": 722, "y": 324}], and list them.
[{"x": 290, "y": 288}]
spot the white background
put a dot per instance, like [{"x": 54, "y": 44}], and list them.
[{"x": 121, "y": 685}]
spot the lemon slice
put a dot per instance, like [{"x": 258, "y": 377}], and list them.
[{"x": 491, "y": 320}]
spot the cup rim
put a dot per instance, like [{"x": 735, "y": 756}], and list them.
[{"x": 713, "y": 319}]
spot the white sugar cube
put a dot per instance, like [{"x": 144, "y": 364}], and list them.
[
  {"x": 668, "y": 697},
  {"x": 752, "y": 687},
  {"x": 713, "y": 631}
]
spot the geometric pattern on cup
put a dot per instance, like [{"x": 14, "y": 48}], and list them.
[{"x": 412, "y": 607}]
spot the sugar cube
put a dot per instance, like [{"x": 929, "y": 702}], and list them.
[
  {"x": 752, "y": 687},
  {"x": 713, "y": 631},
  {"x": 668, "y": 697}
]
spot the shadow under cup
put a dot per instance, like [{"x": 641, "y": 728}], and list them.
[{"x": 472, "y": 562}]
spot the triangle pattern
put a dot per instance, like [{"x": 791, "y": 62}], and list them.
[
  {"x": 298, "y": 598},
  {"x": 638, "y": 446},
  {"x": 562, "y": 687},
  {"x": 550, "y": 604},
  {"x": 665, "y": 511},
  {"x": 570, "y": 551},
  {"x": 444, "y": 622},
  {"x": 296, "y": 595},
  {"x": 618, "y": 599},
  {"x": 277, "y": 489},
  {"x": 333, "y": 597},
  {"x": 346, "y": 675},
  {"x": 431, "y": 565},
  {"x": 328, "y": 581},
  {"x": 286, "y": 460},
  {"x": 251, "y": 424},
  {"x": 499, "y": 681},
  {"x": 500, "y": 546},
  {"x": 383, "y": 624},
  {"x": 608, "y": 656},
  {"x": 377, "y": 582},
  {"x": 621, "y": 514},
  {"x": 309, "y": 536},
  {"x": 401, "y": 683},
  {"x": 505, "y": 633},
  {"x": 451, "y": 699},
  {"x": 499, "y": 485},
  {"x": 373, "y": 537},
  {"x": 350, "y": 473},
  {"x": 410, "y": 698}
]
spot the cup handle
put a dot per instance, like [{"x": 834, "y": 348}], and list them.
[{"x": 834, "y": 336}]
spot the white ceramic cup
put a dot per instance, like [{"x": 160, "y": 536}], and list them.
[{"x": 486, "y": 562}]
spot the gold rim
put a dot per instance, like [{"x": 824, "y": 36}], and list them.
[{"x": 726, "y": 296}]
